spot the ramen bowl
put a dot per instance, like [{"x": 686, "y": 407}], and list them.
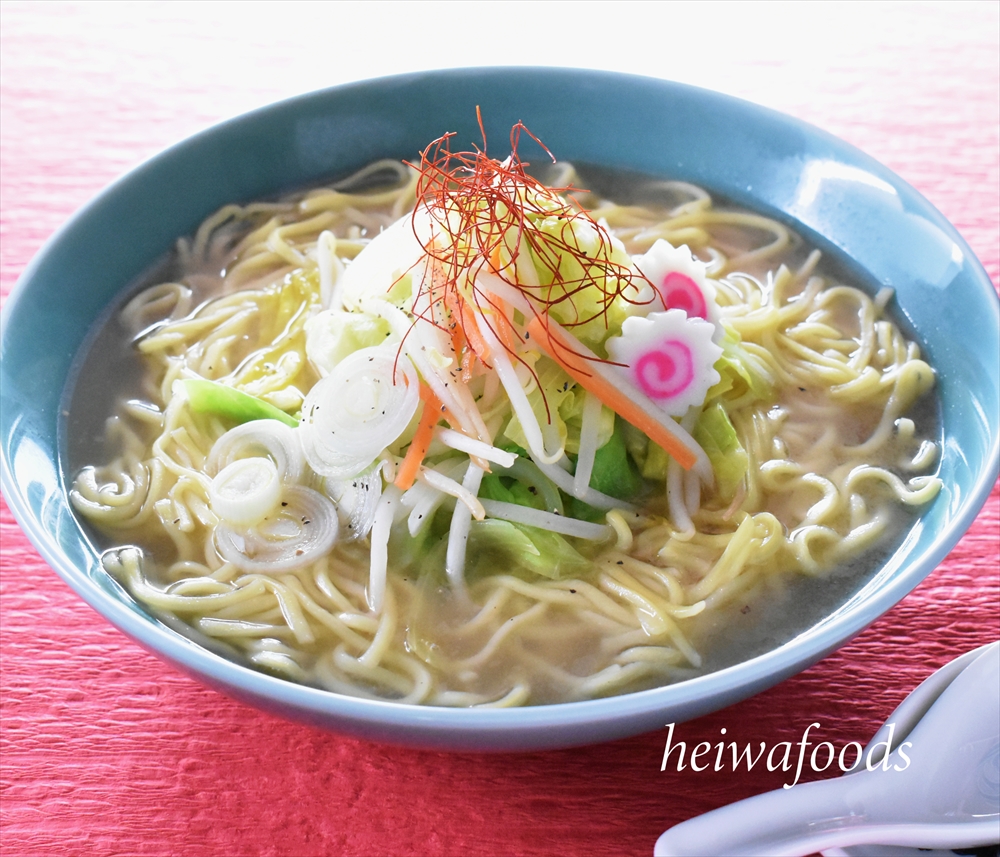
[{"x": 837, "y": 198}]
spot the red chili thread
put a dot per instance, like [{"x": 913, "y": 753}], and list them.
[{"x": 476, "y": 204}]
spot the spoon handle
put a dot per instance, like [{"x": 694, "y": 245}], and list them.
[
  {"x": 783, "y": 822},
  {"x": 771, "y": 824},
  {"x": 813, "y": 817},
  {"x": 810, "y": 818}
]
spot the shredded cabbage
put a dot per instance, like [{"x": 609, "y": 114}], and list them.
[
  {"x": 600, "y": 319},
  {"x": 718, "y": 438},
  {"x": 502, "y": 544},
  {"x": 332, "y": 335},
  {"x": 743, "y": 378}
]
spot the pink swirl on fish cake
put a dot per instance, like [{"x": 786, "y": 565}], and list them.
[
  {"x": 665, "y": 372},
  {"x": 681, "y": 292}
]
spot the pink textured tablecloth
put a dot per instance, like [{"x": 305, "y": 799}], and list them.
[{"x": 105, "y": 750}]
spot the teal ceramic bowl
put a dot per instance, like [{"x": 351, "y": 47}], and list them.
[{"x": 830, "y": 192}]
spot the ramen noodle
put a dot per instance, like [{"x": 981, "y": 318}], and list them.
[{"x": 444, "y": 434}]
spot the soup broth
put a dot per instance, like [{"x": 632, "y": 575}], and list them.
[{"x": 814, "y": 431}]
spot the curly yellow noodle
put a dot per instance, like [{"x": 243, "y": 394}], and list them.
[{"x": 818, "y": 491}]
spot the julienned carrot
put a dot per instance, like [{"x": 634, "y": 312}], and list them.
[
  {"x": 468, "y": 361},
  {"x": 472, "y": 334},
  {"x": 587, "y": 377},
  {"x": 410, "y": 466},
  {"x": 504, "y": 329}
]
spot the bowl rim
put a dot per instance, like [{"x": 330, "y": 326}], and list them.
[{"x": 528, "y": 727}]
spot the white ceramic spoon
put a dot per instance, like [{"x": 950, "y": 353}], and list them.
[
  {"x": 909, "y": 712},
  {"x": 905, "y": 717},
  {"x": 946, "y": 796}
]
